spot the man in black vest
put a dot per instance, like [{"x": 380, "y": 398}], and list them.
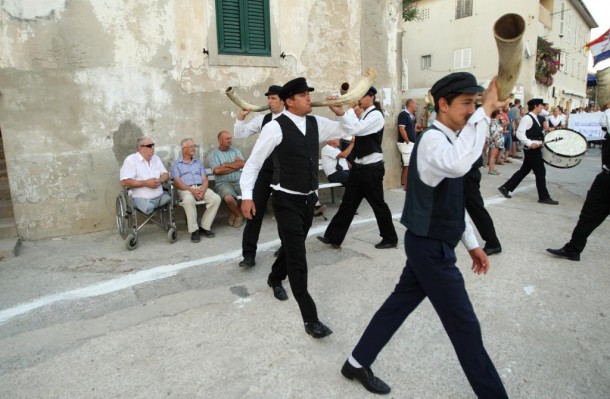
[
  {"x": 597, "y": 204},
  {"x": 262, "y": 189},
  {"x": 435, "y": 219},
  {"x": 365, "y": 178},
  {"x": 293, "y": 138},
  {"x": 530, "y": 133}
]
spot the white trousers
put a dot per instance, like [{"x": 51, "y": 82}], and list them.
[{"x": 212, "y": 203}]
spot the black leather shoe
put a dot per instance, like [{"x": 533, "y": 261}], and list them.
[
  {"x": 386, "y": 244},
  {"x": 548, "y": 201},
  {"x": 278, "y": 291},
  {"x": 317, "y": 330},
  {"x": 195, "y": 236},
  {"x": 207, "y": 233},
  {"x": 247, "y": 262},
  {"x": 327, "y": 241},
  {"x": 492, "y": 250},
  {"x": 504, "y": 192},
  {"x": 562, "y": 253},
  {"x": 366, "y": 377}
]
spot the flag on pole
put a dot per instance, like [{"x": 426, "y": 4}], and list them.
[{"x": 600, "y": 47}]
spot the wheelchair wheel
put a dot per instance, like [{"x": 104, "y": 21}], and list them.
[
  {"x": 172, "y": 236},
  {"x": 131, "y": 242},
  {"x": 121, "y": 215}
]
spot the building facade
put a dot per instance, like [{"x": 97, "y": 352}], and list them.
[
  {"x": 457, "y": 35},
  {"x": 81, "y": 80}
]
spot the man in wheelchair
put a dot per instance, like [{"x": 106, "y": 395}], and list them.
[{"x": 143, "y": 172}]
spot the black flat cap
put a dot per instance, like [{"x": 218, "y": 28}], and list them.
[
  {"x": 458, "y": 82},
  {"x": 295, "y": 86},
  {"x": 535, "y": 101},
  {"x": 273, "y": 89},
  {"x": 372, "y": 91}
]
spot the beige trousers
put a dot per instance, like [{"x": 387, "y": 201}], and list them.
[{"x": 212, "y": 203}]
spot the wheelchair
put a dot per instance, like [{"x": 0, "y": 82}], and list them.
[{"x": 127, "y": 219}]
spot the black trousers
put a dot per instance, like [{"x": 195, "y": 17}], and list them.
[
  {"x": 260, "y": 196},
  {"x": 532, "y": 160},
  {"x": 431, "y": 272},
  {"x": 364, "y": 182},
  {"x": 294, "y": 215},
  {"x": 340, "y": 176},
  {"x": 475, "y": 206},
  {"x": 594, "y": 211}
]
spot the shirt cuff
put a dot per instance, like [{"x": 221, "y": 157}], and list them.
[{"x": 246, "y": 195}]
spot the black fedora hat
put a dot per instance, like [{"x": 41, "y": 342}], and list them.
[
  {"x": 273, "y": 89},
  {"x": 295, "y": 86}
]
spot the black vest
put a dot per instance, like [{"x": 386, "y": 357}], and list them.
[
  {"x": 435, "y": 212},
  {"x": 366, "y": 145},
  {"x": 535, "y": 132},
  {"x": 295, "y": 159}
]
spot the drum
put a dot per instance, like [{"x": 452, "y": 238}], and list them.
[{"x": 564, "y": 148}]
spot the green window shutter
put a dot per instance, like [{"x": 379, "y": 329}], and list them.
[{"x": 243, "y": 27}]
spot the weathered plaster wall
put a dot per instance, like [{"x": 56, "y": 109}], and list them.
[{"x": 81, "y": 80}]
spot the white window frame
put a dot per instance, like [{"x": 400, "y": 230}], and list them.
[
  {"x": 426, "y": 61},
  {"x": 462, "y": 58}
]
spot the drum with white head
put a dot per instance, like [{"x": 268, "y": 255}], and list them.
[{"x": 564, "y": 148}]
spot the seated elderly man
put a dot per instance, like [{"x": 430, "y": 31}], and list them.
[
  {"x": 334, "y": 161},
  {"x": 143, "y": 172},
  {"x": 192, "y": 183},
  {"x": 227, "y": 162}
]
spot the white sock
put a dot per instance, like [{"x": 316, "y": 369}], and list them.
[{"x": 354, "y": 362}]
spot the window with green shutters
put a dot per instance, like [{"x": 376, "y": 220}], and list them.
[{"x": 243, "y": 27}]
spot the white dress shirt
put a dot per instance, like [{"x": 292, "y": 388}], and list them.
[
  {"x": 525, "y": 125},
  {"x": 364, "y": 127},
  {"x": 271, "y": 137},
  {"x": 137, "y": 168},
  {"x": 438, "y": 159},
  {"x": 243, "y": 129}
]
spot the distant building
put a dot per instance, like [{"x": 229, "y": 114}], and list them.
[{"x": 457, "y": 35}]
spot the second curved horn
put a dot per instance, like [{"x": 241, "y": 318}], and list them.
[{"x": 357, "y": 91}]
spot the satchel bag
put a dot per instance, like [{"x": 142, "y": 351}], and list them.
[{"x": 338, "y": 167}]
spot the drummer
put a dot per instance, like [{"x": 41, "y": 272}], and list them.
[{"x": 530, "y": 133}]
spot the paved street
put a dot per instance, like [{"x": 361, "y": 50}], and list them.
[{"x": 82, "y": 317}]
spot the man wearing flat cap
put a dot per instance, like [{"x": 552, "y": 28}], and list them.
[
  {"x": 531, "y": 133},
  {"x": 365, "y": 179},
  {"x": 435, "y": 219},
  {"x": 262, "y": 189},
  {"x": 293, "y": 140}
]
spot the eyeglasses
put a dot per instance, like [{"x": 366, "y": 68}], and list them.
[
  {"x": 151, "y": 145},
  {"x": 191, "y": 146}
]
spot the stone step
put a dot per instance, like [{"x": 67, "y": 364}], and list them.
[
  {"x": 6, "y": 209},
  {"x": 9, "y": 247},
  {"x": 8, "y": 228}
]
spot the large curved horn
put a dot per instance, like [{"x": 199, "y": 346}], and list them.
[
  {"x": 242, "y": 103},
  {"x": 357, "y": 91},
  {"x": 344, "y": 88},
  {"x": 603, "y": 86},
  {"x": 508, "y": 32}
]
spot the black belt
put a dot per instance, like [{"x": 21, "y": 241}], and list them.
[
  {"x": 194, "y": 185},
  {"x": 357, "y": 165}
]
